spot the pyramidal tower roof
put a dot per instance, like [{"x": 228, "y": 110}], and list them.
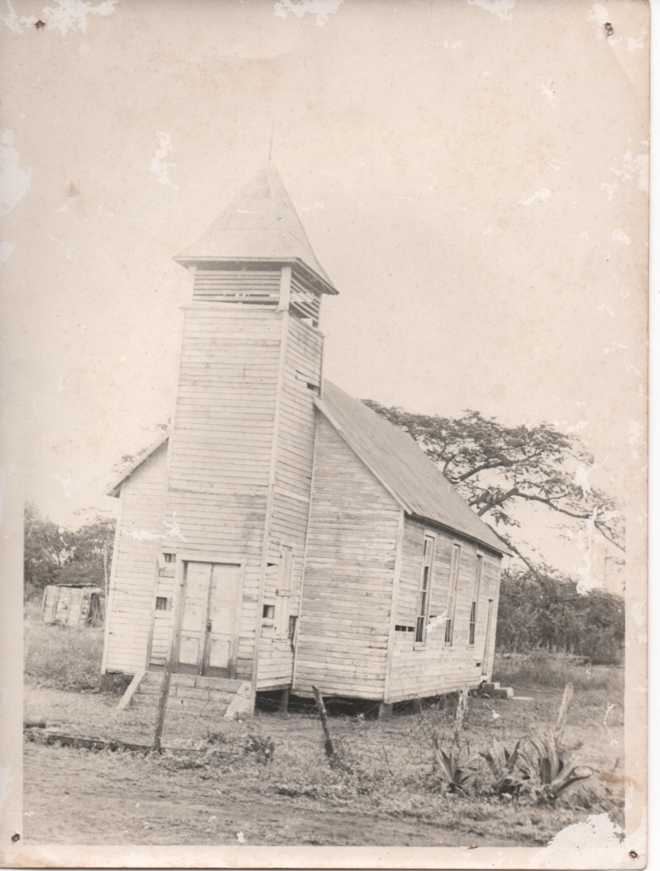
[{"x": 260, "y": 224}]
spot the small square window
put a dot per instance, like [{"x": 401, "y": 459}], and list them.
[
  {"x": 169, "y": 557},
  {"x": 268, "y": 612},
  {"x": 161, "y": 603}
]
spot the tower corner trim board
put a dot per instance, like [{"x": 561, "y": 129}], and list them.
[{"x": 235, "y": 560}]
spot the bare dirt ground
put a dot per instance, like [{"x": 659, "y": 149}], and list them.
[
  {"x": 218, "y": 791},
  {"x": 78, "y": 797}
]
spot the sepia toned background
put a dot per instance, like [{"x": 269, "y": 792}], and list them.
[{"x": 473, "y": 176}]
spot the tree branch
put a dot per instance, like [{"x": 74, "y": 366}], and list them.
[
  {"x": 489, "y": 464},
  {"x": 608, "y": 535},
  {"x": 495, "y": 502}
]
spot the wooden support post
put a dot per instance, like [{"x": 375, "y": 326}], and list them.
[
  {"x": 384, "y": 711},
  {"x": 566, "y": 700},
  {"x": 417, "y": 706},
  {"x": 284, "y": 702},
  {"x": 328, "y": 746},
  {"x": 462, "y": 699},
  {"x": 162, "y": 707},
  {"x": 171, "y": 659}
]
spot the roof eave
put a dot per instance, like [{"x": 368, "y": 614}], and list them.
[
  {"x": 115, "y": 489},
  {"x": 501, "y": 551},
  {"x": 325, "y": 285}
]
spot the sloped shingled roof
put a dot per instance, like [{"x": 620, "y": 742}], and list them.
[
  {"x": 261, "y": 223},
  {"x": 402, "y": 467},
  {"x": 141, "y": 458},
  {"x": 395, "y": 459}
]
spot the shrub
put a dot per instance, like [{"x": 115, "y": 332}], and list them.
[{"x": 262, "y": 746}]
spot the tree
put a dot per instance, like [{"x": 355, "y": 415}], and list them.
[
  {"x": 44, "y": 551},
  {"x": 497, "y": 467},
  {"x": 541, "y": 611},
  {"x": 53, "y": 554},
  {"x": 89, "y": 553}
]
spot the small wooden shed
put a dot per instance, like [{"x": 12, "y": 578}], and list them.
[
  {"x": 72, "y": 605},
  {"x": 282, "y": 533}
]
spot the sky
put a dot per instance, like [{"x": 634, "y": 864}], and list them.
[{"x": 472, "y": 175}]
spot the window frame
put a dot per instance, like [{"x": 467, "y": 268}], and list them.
[
  {"x": 284, "y": 591},
  {"x": 424, "y": 591},
  {"x": 476, "y": 593},
  {"x": 452, "y": 593}
]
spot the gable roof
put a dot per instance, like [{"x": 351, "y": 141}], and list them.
[
  {"x": 402, "y": 467},
  {"x": 260, "y": 224},
  {"x": 396, "y": 461},
  {"x": 141, "y": 458}
]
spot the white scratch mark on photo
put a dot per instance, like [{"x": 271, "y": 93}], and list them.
[
  {"x": 64, "y": 16},
  {"x": 6, "y": 250},
  {"x": 540, "y": 196},
  {"x": 596, "y": 832},
  {"x": 320, "y": 9},
  {"x": 15, "y": 181},
  {"x": 503, "y": 9},
  {"x": 160, "y": 167},
  {"x": 621, "y": 237},
  {"x": 549, "y": 91}
]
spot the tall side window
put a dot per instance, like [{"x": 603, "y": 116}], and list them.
[
  {"x": 424, "y": 597},
  {"x": 451, "y": 600},
  {"x": 478, "y": 574},
  {"x": 284, "y": 592}
]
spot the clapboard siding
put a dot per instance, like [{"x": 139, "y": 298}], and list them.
[
  {"x": 225, "y": 408},
  {"x": 349, "y": 572},
  {"x": 436, "y": 667},
  {"x": 290, "y": 501},
  {"x": 222, "y": 440},
  {"x": 228, "y": 284},
  {"x": 140, "y": 534}
]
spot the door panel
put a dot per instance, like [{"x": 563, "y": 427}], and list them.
[
  {"x": 193, "y": 618},
  {"x": 208, "y": 632},
  {"x": 222, "y": 619}
]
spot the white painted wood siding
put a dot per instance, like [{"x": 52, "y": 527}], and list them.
[
  {"x": 435, "y": 667},
  {"x": 349, "y": 572},
  {"x": 140, "y": 535},
  {"x": 290, "y": 505},
  {"x": 221, "y": 444}
]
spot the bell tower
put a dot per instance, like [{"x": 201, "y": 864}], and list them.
[{"x": 242, "y": 438}]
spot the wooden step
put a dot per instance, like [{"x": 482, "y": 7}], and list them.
[{"x": 219, "y": 696}]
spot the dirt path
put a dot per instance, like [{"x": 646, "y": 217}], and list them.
[{"x": 76, "y": 796}]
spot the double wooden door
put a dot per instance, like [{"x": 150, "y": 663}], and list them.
[{"x": 208, "y": 631}]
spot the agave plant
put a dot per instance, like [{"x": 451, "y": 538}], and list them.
[
  {"x": 552, "y": 765},
  {"x": 508, "y": 768},
  {"x": 452, "y": 767}
]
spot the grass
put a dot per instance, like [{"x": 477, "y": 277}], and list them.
[
  {"x": 541, "y": 669},
  {"x": 275, "y": 768},
  {"x": 61, "y": 657}
]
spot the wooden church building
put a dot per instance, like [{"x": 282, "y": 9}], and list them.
[{"x": 282, "y": 535}]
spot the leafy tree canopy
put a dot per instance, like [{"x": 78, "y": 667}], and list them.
[
  {"x": 56, "y": 555},
  {"x": 497, "y": 467},
  {"x": 538, "y": 610}
]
